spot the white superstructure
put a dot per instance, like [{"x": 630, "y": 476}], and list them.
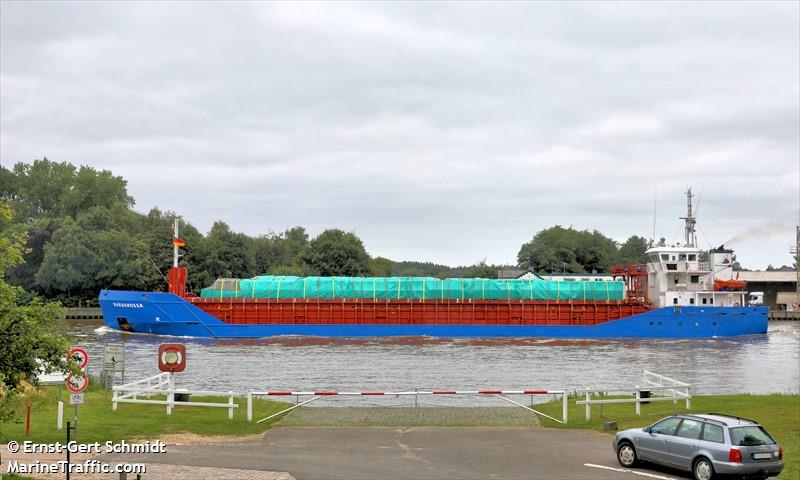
[{"x": 684, "y": 275}]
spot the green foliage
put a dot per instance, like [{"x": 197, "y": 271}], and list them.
[
  {"x": 632, "y": 251},
  {"x": 29, "y": 331},
  {"x": 45, "y": 188},
  {"x": 82, "y": 236},
  {"x": 558, "y": 249},
  {"x": 481, "y": 270},
  {"x": 334, "y": 252},
  {"x": 553, "y": 250},
  {"x": 382, "y": 267},
  {"x": 224, "y": 254}
]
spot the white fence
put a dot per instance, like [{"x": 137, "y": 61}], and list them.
[
  {"x": 164, "y": 384},
  {"x": 658, "y": 388},
  {"x": 316, "y": 395}
]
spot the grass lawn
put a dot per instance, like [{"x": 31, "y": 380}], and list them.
[
  {"x": 780, "y": 414},
  {"x": 97, "y": 423}
]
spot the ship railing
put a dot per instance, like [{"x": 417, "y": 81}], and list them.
[
  {"x": 501, "y": 394},
  {"x": 654, "y": 388},
  {"x": 164, "y": 384}
]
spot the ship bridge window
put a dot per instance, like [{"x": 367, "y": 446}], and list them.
[
  {"x": 691, "y": 301},
  {"x": 672, "y": 266},
  {"x": 705, "y": 300},
  {"x": 664, "y": 257},
  {"x": 711, "y": 300},
  {"x": 692, "y": 257},
  {"x": 674, "y": 301},
  {"x": 682, "y": 256},
  {"x": 695, "y": 279}
]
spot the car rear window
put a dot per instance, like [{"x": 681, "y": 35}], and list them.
[
  {"x": 713, "y": 433},
  {"x": 749, "y": 436}
]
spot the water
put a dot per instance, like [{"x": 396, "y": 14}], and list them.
[{"x": 755, "y": 364}]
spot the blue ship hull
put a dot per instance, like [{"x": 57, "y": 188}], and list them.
[{"x": 168, "y": 314}]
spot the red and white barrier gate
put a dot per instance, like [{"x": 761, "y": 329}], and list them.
[{"x": 316, "y": 395}]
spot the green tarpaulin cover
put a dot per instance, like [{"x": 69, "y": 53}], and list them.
[{"x": 418, "y": 288}]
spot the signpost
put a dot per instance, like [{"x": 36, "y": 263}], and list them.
[
  {"x": 114, "y": 358},
  {"x": 77, "y": 383},
  {"x": 171, "y": 358},
  {"x": 113, "y": 362}
]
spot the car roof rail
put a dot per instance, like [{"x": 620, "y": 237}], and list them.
[
  {"x": 731, "y": 416},
  {"x": 698, "y": 417}
]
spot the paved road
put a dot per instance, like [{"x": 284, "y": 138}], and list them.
[{"x": 397, "y": 453}]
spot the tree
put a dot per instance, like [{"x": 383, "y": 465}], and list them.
[
  {"x": 632, "y": 251},
  {"x": 382, "y": 267},
  {"x": 334, "y": 252},
  {"x": 102, "y": 248},
  {"x": 551, "y": 250},
  {"x": 224, "y": 254},
  {"x": 595, "y": 252},
  {"x": 46, "y": 188},
  {"x": 29, "y": 332},
  {"x": 481, "y": 270},
  {"x": 24, "y": 273}
]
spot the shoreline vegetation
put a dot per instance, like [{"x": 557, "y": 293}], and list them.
[
  {"x": 779, "y": 413},
  {"x": 82, "y": 234}
]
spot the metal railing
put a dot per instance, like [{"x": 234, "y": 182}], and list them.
[
  {"x": 164, "y": 384},
  {"x": 662, "y": 387}
]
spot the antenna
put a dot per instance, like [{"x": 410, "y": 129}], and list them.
[{"x": 655, "y": 209}]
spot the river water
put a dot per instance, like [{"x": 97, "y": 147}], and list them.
[{"x": 756, "y": 363}]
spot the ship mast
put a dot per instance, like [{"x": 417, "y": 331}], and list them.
[
  {"x": 175, "y": 245},
  {"x": 691, "y": 238}
]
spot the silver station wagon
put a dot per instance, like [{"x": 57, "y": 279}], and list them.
[{"x": 706, "y": 445}]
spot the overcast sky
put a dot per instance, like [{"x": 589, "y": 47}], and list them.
[{"x": 442, "y": 132}]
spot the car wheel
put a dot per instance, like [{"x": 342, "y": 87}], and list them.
[
  {"x": 703, "y": 470},
  {"x": 626, "y": 455}
]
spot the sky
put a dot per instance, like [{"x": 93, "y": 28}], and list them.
[{"x": 444, "y": 132}]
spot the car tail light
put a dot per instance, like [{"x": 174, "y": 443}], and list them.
[
  {"x": 780, "y": 452},
  {"x": 735, "y": 456}
]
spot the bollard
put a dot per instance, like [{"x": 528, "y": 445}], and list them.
[
  {"x": 565, "y": 407},
  {"x": 250, "y": 407},
  {"x": 27, "y": 418},
  {"x": 60, "y": 417}
]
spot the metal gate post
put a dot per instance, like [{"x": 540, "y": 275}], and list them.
[
  {"x": 588, "y": 406},
  {"x": 250, "y": 407},
  {"x": 564, "y": 406}
]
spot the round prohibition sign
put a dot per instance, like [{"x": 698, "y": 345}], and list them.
[
  {"x": 77, "y": 384},
  {"x": 80, "y": 356}
]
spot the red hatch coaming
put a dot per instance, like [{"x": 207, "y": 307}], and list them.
[{"x": 418, "y": 312}]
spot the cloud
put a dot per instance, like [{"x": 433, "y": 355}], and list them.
[{"x": 445, "y": 132}]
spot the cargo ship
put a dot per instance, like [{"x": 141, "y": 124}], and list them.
[{"x": 681, "y": 292}]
